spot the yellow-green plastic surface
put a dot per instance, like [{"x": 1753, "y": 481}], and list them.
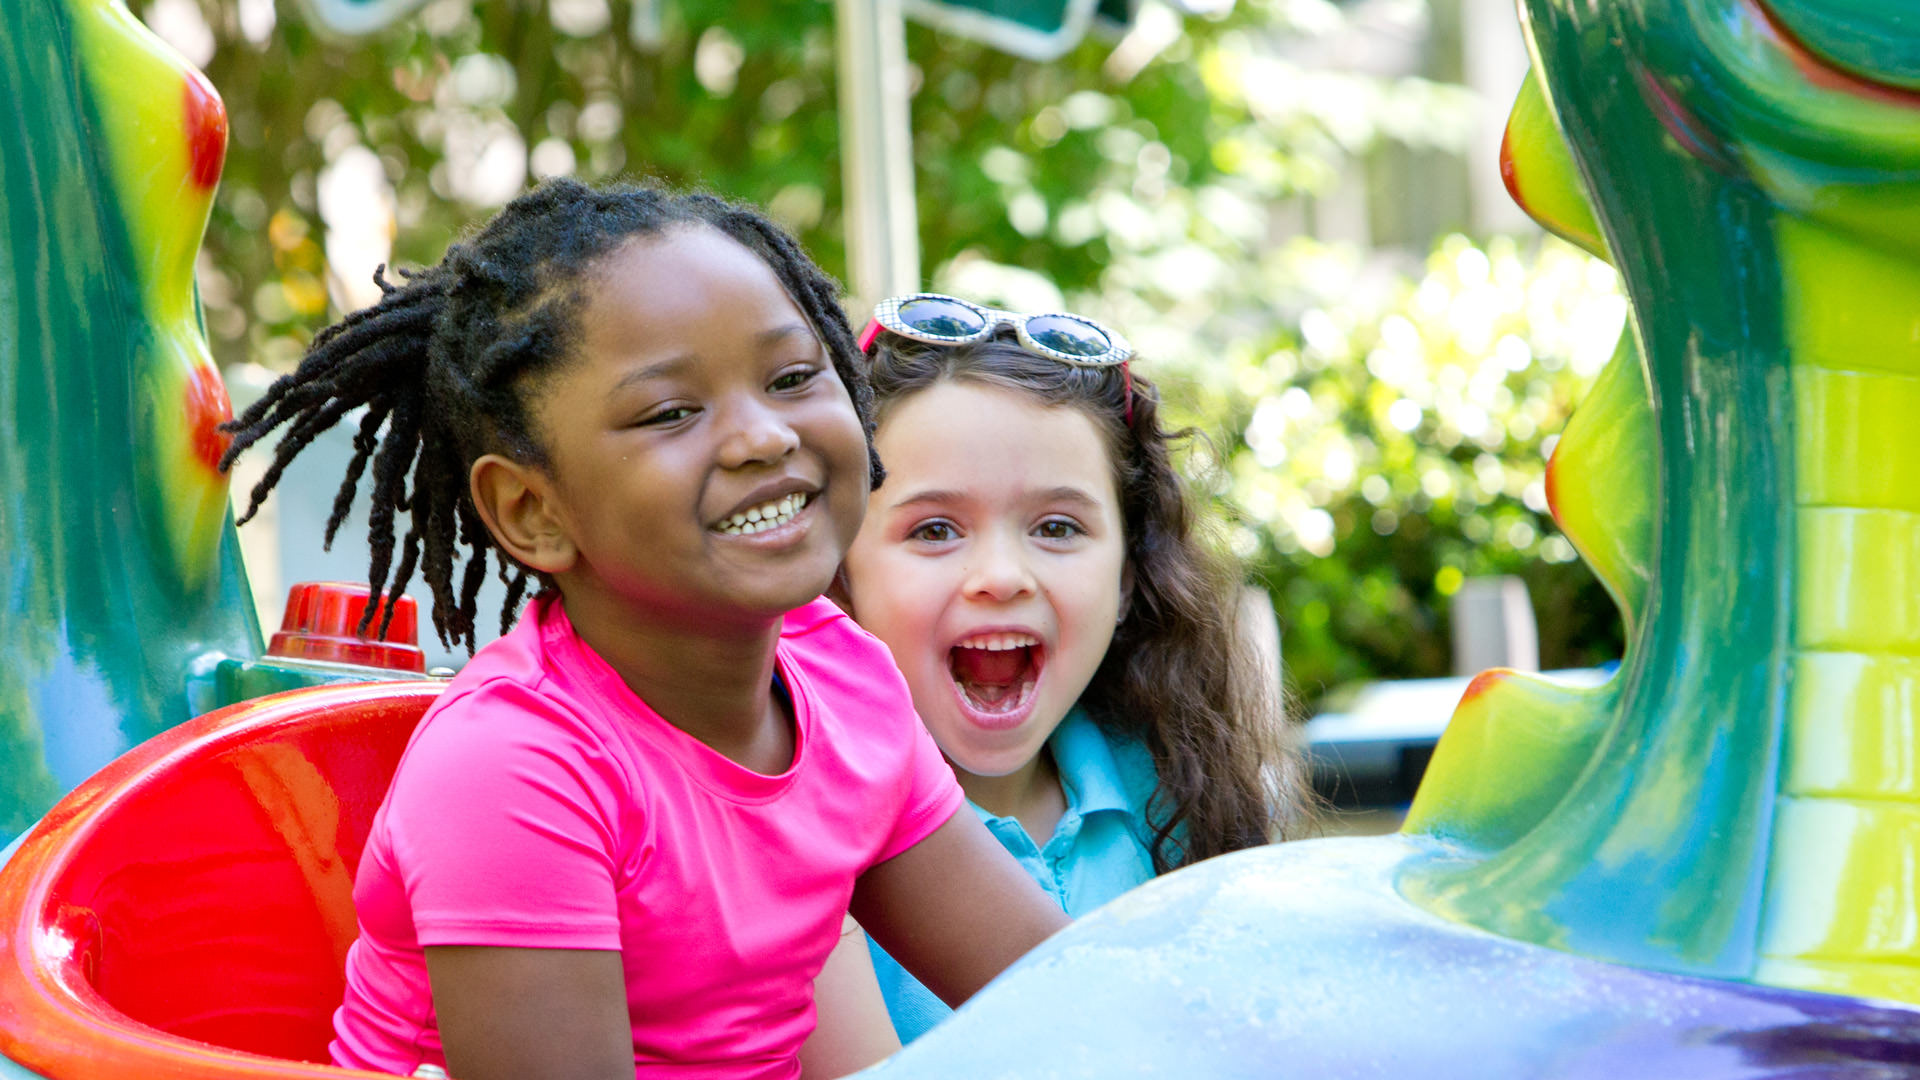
[{"x": 1743, "y": 800}]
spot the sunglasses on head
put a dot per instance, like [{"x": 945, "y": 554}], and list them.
[{"x": 948, "y": 320}]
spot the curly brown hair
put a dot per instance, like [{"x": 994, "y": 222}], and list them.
[{"x": 1181, "y": 675}]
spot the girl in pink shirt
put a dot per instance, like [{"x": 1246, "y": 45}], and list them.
[{"x": 624, "y": 840}]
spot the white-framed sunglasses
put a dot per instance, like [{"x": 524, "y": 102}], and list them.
[
  {"x": 948, "y": 320},
  {"x": 938, "y": 319}
]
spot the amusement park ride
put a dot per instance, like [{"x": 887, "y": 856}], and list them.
[{"x": 1703, "y": 868}]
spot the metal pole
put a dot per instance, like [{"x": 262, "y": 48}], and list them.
[{"x": 876, "y": 153}]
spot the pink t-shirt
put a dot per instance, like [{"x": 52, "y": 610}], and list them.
[{"x": 541, "y": 804}]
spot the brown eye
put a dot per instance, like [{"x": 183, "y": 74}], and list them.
[
  {"x": 794, "y": 380},
  {"x": 933, "y": 532},
  {"x": 1057, "y": 529},
  {"x": 668, "y": 416}
]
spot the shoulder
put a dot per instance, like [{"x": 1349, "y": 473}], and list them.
[
  {"x": 519, "y": 655},
  {"x": 527, "y": 683},
  {"x": 821, "y": 621},
  {"x": 505, "y": 724},
  {"x": 863, "y": 721},
  {"x": 500, "y": 772},
  {"x": 1134, "y": 764},
  {"x": 840, "y": 657},
  {"x": 496, "y": 713},
  {"x": 507, "y": 689},
  {"x": 1103, "y": 756}
]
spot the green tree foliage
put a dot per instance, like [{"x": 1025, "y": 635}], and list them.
[
  {"x": 465, "y": 102},
  {"x": 1160, "y": 181},
  {"x": 1390, "y": 439}
]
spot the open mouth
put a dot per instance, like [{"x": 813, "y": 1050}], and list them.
[
  {"x": 765, "y": 517},
  {"x": 996, "y": 675}
]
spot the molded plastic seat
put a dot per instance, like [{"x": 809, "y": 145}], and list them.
[{"x": 186, "y": 912}]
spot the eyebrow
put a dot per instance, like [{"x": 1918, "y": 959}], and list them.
[
  {"x": 781, "y": 333},
  {"x": 675, "y": 365},
  {"x": 1065, "y": 493},
  {"x": 934, "y": 496},
  {"x": 658, "y": 370},
  {"x": 938, "y": 496}
]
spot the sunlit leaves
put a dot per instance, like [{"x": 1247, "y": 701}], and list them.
[
  {"x": 1390, "y": 438},
  {"x": 462, "y": 105},
  {"x": 1378, "y": 422}
]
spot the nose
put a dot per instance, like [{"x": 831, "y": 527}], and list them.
[
  {"x": 756, "y": 435},
  {"x": 998, "y": 571}
]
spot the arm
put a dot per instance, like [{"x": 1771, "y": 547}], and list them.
[
  {"x": 955, "y": 909},
  {"x": 854, "y": 1030},
  {"x": 531, "y": 1014},
  {"x": 503, "y": 836}
]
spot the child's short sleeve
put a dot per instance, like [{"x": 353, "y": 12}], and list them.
[
  {"x": 502, "y": 819},
  {"x": 933, "y": 794},
  {"x": 860, "y": 684}
]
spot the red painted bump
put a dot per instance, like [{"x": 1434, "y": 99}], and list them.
[
  {"x": 1509, "y": 171},
  {"x": 206, "y": 125},
  {"x": 1553, "y": 487},
  {"x": 207, "y": 409},
  {"x": 1482, "y": 683}
]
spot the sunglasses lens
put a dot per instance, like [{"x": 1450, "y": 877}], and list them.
[
  {"x": 1069, "y": 336},
  {"x": 940, "y": 318}
]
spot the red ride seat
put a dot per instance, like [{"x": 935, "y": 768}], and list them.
[{"x": 186, "y": 912}]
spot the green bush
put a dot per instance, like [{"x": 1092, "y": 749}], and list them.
[
  {"x": 1376, "y": 426},
  {"x": 1373, "y": 433},
  {"x": 1382, "y": 441}
]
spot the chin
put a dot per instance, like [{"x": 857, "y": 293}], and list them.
[
  {"x": 796, "y": 590},
  {"x": 990, "y": 761},
  {"x": 783, "y": 604}
]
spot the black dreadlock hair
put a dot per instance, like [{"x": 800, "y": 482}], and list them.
[{"x": 446, "y": 360}]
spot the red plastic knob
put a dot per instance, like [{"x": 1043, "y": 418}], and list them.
[{"x": 321, "y": 623}]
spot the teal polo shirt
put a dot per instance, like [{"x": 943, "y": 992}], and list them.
[{"x": 1097, "y": 851}]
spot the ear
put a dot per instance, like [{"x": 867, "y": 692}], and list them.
[
  {"x": 517, "y": 503},
  {"x": 1126, "y": 591}
]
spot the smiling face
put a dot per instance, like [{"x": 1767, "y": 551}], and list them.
[
  {"x": 704, "y": 460},
  {"x": 992, "y": 564}
]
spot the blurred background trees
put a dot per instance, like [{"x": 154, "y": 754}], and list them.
[{"x": 1284, "y": 203}]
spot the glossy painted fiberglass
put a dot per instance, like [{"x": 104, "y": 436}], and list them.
[
  {"x": 122, "y": 570},
  {"x": 127, "y": 611},
  {"x": 1301, "y": 960},
  {"x": 1744, "y": 800},
  {"x": 186, "y": 912}
]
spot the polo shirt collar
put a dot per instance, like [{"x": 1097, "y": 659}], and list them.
[{"x": 1088, "y": 771}]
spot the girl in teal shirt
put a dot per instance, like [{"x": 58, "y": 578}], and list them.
[{"x": 1032, "y": 559}]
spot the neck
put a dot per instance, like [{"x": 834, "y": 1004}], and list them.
[
  {"x": 1030, "y": 794},
  {"x": 711, "y": 678}
]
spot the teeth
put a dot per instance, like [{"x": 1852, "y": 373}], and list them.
[
  {"x": 770, "y": 515},
  {"x": 998, "y": 642}
]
